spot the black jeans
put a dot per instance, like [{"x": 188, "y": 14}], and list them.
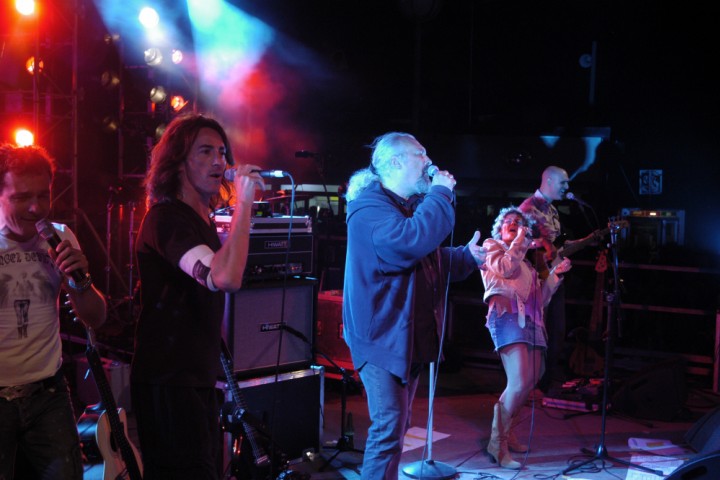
[{"x": 42, "y": 427}]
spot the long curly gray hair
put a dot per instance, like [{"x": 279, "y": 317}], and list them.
[{"x": 527, "y": 220}]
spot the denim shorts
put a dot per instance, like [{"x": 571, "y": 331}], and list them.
[{"x": 505, "y": 330}]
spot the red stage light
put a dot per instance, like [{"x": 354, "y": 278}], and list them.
[
  {"x": 30, "y": 65},
  {"x": 178, "y": 102},
  {"x": 24, "y": 137}
]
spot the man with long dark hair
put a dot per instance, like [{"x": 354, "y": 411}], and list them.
[{"x": 184, "y": 272}]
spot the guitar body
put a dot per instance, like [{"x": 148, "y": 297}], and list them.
[
  {"x": 114, "y": 466},
  {"x": 98, "y": 444},
  {"x": 121, "y": 458}
]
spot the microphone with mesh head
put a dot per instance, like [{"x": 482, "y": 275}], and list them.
[
  {"x": 571, "y": 196},
  {"x": 433, "y": 170},
  {"x": 230, "y": 173}
]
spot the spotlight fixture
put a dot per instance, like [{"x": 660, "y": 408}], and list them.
[
  {"x": 25, "y": 7},
  {"x": 30, "y": 65},
  {"x": 24, "y": 137},
  {"x": 178, "y": 102},
  {"x": 176, "y": 56},
  {"x": 149, "y": 17},
  {"x": 158, "y": 94},
  {"x": 109, "y": 79},
  {"x": 111, "y": 38},
  {"x": 159, "y": 130},
  {"x": 110, "y": 124},
  {"x": 153, "y": 56}
]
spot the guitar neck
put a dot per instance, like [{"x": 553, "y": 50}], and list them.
[
  {"x": 578, "y": 245},
  {"x": 261, "y": 458}
]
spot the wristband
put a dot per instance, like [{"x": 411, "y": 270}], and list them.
[{"x": 83, "y": 285}]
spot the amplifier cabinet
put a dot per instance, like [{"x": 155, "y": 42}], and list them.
[
  {"x": 274, "y": 256},
  {"x": 252, "y": 326},
  {"x": 289, "y": 409},
  {"x": 329, "y": 338}
]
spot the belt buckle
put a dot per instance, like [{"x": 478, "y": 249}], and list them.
[{"x": 19, "y": 391}]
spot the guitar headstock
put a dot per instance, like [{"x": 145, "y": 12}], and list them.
[{"x": 617, "y": 225}]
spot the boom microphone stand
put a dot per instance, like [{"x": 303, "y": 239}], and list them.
[
  {"x": 345, "y": 442},
  {"x": 613, "y": 300}
]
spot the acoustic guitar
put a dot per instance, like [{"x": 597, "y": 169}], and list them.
[{"x": 103, "y": 427}]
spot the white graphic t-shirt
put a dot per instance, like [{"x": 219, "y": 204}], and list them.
[{"x": 30, "y": 344}]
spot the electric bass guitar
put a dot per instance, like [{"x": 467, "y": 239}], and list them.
[
  {"x": 255, "y": 463},
  {"x": 121, "y": 460},
  {"x": 569, "y": 248}
]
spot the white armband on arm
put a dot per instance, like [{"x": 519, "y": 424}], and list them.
[{"x": 196, "y": 263}]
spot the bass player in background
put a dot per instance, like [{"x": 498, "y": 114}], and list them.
[
  {"x": 36, "y": 413},
  {"x": 554, "y": 185}
]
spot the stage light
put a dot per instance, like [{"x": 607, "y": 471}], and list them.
[
  {"x": 110, "y": 124},
  {"x": 109, "y": 79},
  {"x": 153, "y": 56},
  {"x": 149, "y": 17},
  {"x": 178, "y": 102},
  {"x": 176, "y": 56},
  {"x": 24, "y": 137},
  {"x": 25, "y": 7},
  {"x": 111, "y": 38},
  {"x": 30, "y": 65},
  {"x": 159, "y": 130},
  {"x": 158, "y": 94}
]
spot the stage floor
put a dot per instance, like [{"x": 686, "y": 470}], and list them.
[{"x": 462, "y": 417}]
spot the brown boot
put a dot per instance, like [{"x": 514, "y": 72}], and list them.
[
  {"x": 514, "y": 444},
  {"x": 498, "y": 445}
]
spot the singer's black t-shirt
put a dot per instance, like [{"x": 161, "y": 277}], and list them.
[{"x": 177, "y": 341}]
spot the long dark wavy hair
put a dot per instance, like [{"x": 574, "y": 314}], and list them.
[{"x": 163, "y": 179}]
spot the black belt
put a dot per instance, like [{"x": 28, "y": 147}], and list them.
[{"x": 20, "y": 391}]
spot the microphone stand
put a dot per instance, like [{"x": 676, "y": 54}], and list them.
[
  {"x": 429, "y": 469},
  {"x": 613, "y": 300},
  {"x": 345, "y": 442}
]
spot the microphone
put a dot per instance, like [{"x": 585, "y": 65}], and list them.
[
  {"x": 571, "y": 196},
  {"x": 305, "y": 154},
  {"x": 47, "y": 232},
  {"x": 230, "y": 173},
  {"x": 433, "y": 170}
]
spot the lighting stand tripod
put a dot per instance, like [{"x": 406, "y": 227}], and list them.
[
  {"x": 613, "y": 302},
  {"x": 429, "y": 469}
]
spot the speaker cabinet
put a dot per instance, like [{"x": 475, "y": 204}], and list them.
[
  {"x": 329, "y": 332},
  {"x": 252, "y": 326},
  {"x": 289, "y": 409},
  {"x": 655, "y": 393},
  {"x": 704, "y": 436},
  {"x": 703, "y": 468}
]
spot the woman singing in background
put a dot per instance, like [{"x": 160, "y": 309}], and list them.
[{"x": 515, "y": 296}]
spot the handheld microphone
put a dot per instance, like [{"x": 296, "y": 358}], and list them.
[
  {"x": 571, "y": 196},
  {"x": 47, "y": 232},
  {"x": 230, "y": 173},
  {"x": 433, "y": 170}
]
